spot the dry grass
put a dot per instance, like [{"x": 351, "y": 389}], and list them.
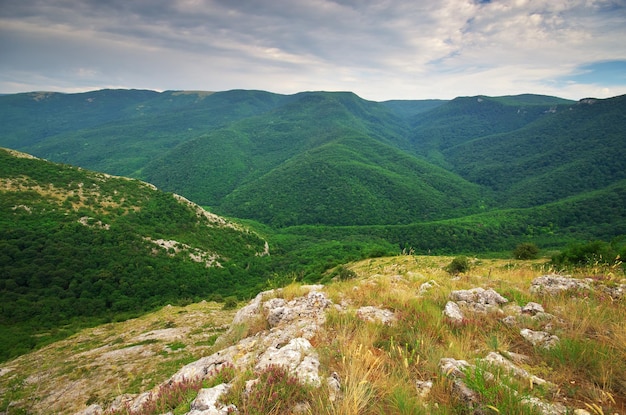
[
  {"x": 98, "y": 364},
  {"x": 378, "y": 365}
]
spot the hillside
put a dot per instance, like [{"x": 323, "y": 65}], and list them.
[
  {"x": 330, "y": 177},
  {"x": 332, "y": 159},
  {"x": 394, "y": 335},
  {"x": 569, "y": 152},
  {"x": 80, "y": 248}
]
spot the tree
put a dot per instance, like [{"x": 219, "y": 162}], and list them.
[{"x": 526, "y": 250}]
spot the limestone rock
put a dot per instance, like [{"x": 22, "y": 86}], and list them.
[
  {"x": 375, "y": 314},
  {"x": 94, "y": 409},
  {"x": 555, "y": 284},
  {"x": 452, "y": 368},
  {"x": 298, "y": 356},
  {"x": 453, "y": 312},
  {"x": 546, "y": 408},
  {"x": 207, "y": 401},
  {"x": 478, "y": 299},
  {"x": 540, "y": 338},
  {"x": 425, "y": 287},
  {"x": 423, "y": 388},
  {"x": 252, "y": 309},
  {"x": 532, "y": 308},
  {"x": 497, "y": 359},
  {"x": 334, "y": 387}
]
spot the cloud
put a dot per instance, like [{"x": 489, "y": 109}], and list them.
[{"x": 380, "y": 49}]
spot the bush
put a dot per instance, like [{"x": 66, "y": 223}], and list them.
[
  {"x": 526, "y": 251},
  {"x": 458, "y": 265},
  {"x": 589, "y": 253},
  {"x": 230, "y": 303},
  {"x": 345, "y": 274}
]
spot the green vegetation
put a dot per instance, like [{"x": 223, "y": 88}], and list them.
[
  {"x": 526, "y": 250},
  {"x": 80, "y": 248},
  {"x": 459, "y": 265},
  {"x": 592, "y": 253},
  {"x": 324, "y": 178}
]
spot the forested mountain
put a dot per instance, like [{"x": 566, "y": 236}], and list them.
[
  {"x": 333, "y": 159},
  {"x": 78, "y": 247}
]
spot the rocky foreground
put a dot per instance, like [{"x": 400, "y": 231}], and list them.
[{"x": 285, "y": 329}]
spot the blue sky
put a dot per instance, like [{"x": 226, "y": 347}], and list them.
[{"x": 379, "y": 49}]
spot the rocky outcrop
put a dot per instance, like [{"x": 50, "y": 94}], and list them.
[
  {"x": 289, "y": 325},
  {"x": 556, "y": 284},
  {"x": 457, "y": 371}
]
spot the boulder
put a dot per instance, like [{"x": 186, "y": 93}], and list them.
[
  {"x": 540, "y": 338},
  {"x": 375, "y": 314},
  {"x": 453, "y": 312},
  {"x": 207, "y": 401}
]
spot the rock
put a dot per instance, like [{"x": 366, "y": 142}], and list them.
[
  {"x": 478, "y": 299},
  {"x": 252, "y": 309},
  {"x": 375, "y": 314},
  {"x": 121, "y": 402},
  {"x": 138, "y": 402},
  {"x": 616, "y": 292},
  {"x": 478, "y": 295},
  {"x": 207, "y": 401},
  {"x": 306, "y": 312},
  {"x": 423, "y": 388},
  {"x": 532, "y": 308},
  {"x": 427, "y": 286},
  {"x": 497, "y": 359},
  {"x": 510, "y": 321},
  {"x": 545, "y": 408},
  {"x": 94, "y": 409},
  {"x": 555, "y": 284},
  {"x": 334, "y": 387},
  {"x": 298, "y": 357},
  {"x": 452, "y": 368},
  {"x": 453, "y": 312},
  {"x": 464, "y": 394},
  {"x": 581, "y": 412},
  {"x": 540, "y": 338}
]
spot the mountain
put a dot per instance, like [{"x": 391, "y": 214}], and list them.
[
  {"x": 118, "y": 131},
  {"x": 324, "y": 158},
  {"x": 568, "y": 151},
  {"x": 333, "y": 159},
  {"x": 79, "y": 247}
]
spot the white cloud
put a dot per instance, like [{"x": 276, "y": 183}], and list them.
[{"x": 378, "y": 49}]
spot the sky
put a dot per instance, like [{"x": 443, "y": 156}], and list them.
[{"x": 378, "y": 49}]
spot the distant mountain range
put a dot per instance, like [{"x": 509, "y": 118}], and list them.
[{"x": 319, "y": 158}]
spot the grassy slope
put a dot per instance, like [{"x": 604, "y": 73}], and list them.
[{"x": 378, "y": 365}]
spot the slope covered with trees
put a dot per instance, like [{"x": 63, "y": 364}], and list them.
[{"x": 78, "y": 247}]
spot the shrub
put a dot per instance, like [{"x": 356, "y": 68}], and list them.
[
  {"x": 275, "y": 392},
  {"x": 345, "y": 274},
  {"x": 589, "y": 253},
  {"x": 458, "y": 265},
  {"x": 526, "y": 250},
  {"x": 230, "y": 303}
]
